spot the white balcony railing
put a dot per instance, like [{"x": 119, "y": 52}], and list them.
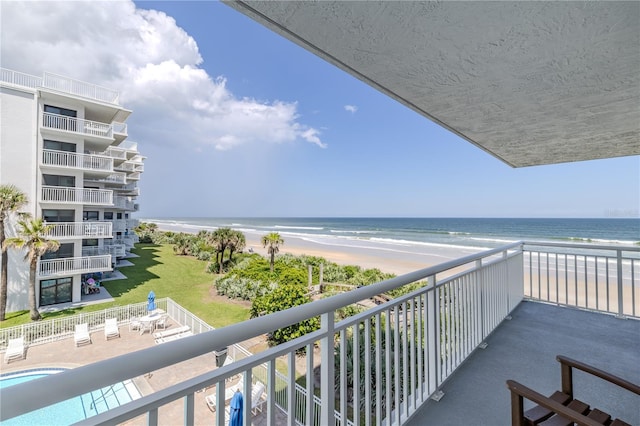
[
  {"x": 67, "y": 230},
  {"x": 118, "y": 178},
  {"x": 61, "y": 84},
  {"x": 119, "y": 225},
  {"x": 120, "y": 128},
  {"x": 74, "y": 265},
  {"x": 76, "y": 125},
  {"x": 116, "y": 250},
  {"x": 115, "y": 152},
  {"x": 125, "y": 167},
  {"x": 66, "y": 195},
  {"x": 406, "y": 347},
  {"x": 19, "y": 79},
  {"x": 123, "y": 203},
  {"x": 80, "y": 88},
  {"x": 73, "y": 160},
  {"x": 134, "y": 176},
  {"x": 132, "y": 223}
]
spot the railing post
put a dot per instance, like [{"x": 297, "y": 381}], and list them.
[
  {"x": 620, "y": 288},
  {"x": 327, "y": 367},
  {"x": 432, "y": 337}
]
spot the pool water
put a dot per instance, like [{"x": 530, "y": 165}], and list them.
[{"x": 72, "y": 410}]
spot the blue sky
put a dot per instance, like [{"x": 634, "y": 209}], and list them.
[{"x": 237, "y": 121}]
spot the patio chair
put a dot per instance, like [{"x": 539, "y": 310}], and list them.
[
  {"x": 257, "y": 397},
  {"x": 81, "y": 335},
  {"x": 111, "y": 328},
  {"x": 228, "y": 394},
  {"x": 162, "y": 322},
  {"x": 134, "y": 323},
  {"x": 15, "y": 349}
]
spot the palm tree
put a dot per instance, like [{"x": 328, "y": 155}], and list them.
[
  {"x": 273, "y": 240},
  {"x": 32, "y": 237},
  {"x": 220, "y": 240},
  {"x": 237, "y": 242},
  {"x": 11, "y": 199}
]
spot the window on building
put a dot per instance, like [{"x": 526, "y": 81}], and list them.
[
  {"x": 58, "y": 180},
  {"x": 108, "y": 215},
  {"x": 65, "y": 250},
  {"x": 60, "y": 111},
  {"x": 55, "y": 291},
  {"x": 59, "y": 146},
  {"x": 126, "y": 215},
  {"x": 90, "y": 242},
  {"x": 90, "y": 215},
  {"x": 58, "y": 215},
  {"x": 119, "y": 215}
]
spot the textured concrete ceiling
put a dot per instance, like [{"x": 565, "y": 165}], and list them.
[{"x": 529, "y": 82}]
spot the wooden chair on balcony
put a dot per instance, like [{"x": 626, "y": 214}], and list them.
[{"x": 562, "y": 408}]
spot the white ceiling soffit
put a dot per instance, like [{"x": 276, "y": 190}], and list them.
[{"x": 529, "y": 82}]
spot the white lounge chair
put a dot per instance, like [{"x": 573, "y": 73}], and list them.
[
  {"x": 15, "y": 349},
  {"x": 257, "y": 397},
  {"x": 111, "y": 328},
  {"x": 82, "y": 335},
  {"x": 170, "y": 332},
  {"x": 228, "y": 394}
]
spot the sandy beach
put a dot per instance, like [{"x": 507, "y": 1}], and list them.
[{"x": 387, "y": 257}]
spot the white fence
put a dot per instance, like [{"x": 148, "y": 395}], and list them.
[
  {"x": 65, "y": 230},
  {"x": 76, "y": 125},
  {"x": 74, "y": 160},
  {"x": 74, "y": 265},
  {"x": 72, "y": 195}
]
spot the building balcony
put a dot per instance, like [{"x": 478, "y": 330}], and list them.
[
  {"x": 126, "y": 166},
  {"x": 74, "y": 265},
  {"x": 73, "y": 160},
  {"x": 63, "y": 123},
  {"x": 75, "y": 230},
  {"x": 119, "y": 225},
  {"x": 470, "y": 324},
  {"x": 60, "y": 84},
  {"x": 114, "y": 250},
  {"x": 123, "y": 203},
  {"x": 67, "y": 195},
  {"x": 117, "y": 178}
]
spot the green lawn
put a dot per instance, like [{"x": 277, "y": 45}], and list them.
[{"x": 181, "y": 278}]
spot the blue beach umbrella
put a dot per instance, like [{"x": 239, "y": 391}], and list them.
[
  {"x": 151, "y": 301},
  {"x": 236, "y": 410}
]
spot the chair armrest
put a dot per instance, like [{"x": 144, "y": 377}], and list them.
[
  {"x": 519, "y": 391},
  {"x": 565, "y": 361}
]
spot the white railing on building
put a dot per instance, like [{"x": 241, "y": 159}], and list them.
[
  {"x": 133, "y": 176},
  {"x": 406, "y": 347},
  {"x": 116, "y": 250},
  {"x": 74, "y": 265},
  {"x": 130, "y": 146},
  {"x": 64, "y": 230},
  {"x": 80, "y": 88},
  {"x": 119, "y": 225},
  {"x": 119, "y": 128},
  {"x": 115, "y": 152},
  {"x": 20, "y": 79},
  {"x": 68, "y": 195},
  {"x": 118, "y": 178},
  {"x": 94, "y": 251},
  {"x": 75, "y": 160},
  {"x": 61, "y": 84},
  {"x": 598, "y": 278},
  {"x": 76, "y": 125},
  {"x": 127, "y": 166},
  {"x": 123, "y": 203},
  {"x": 132, "y": 223}
]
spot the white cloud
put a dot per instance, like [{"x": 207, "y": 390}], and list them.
[
  {"x": 351, "y": 108},
  {"x": 155, "y": 66}
]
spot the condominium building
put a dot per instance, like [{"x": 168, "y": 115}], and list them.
[{"x": 63, "y": 143}]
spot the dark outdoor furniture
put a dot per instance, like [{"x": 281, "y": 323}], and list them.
[{"x": 562, "y": 408}]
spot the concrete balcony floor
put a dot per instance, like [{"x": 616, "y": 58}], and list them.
[{"x": 524, "y": 349}]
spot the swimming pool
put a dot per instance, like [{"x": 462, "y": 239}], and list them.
[{"x": 72, "y": 410}]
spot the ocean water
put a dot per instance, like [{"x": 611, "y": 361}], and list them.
[{"x": 470, "y": 233}]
